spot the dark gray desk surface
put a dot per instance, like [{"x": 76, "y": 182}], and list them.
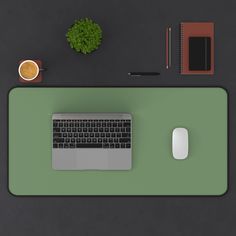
[{"x": 133, "y": 40}]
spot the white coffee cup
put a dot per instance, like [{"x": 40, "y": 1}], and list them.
[{"x": 36, "y": 73}]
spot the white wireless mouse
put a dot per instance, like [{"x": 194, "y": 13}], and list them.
[{"x": 180, "y": 143}]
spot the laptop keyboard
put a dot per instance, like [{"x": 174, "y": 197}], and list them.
[{"x": 92, "y": 133}]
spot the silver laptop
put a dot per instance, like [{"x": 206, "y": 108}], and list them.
[{"x": 92, "y": 141}]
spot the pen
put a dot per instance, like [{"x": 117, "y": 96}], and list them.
[
  {"x": 168, "y": 47},
  {"x": 169, "y": 57},
  {"x": 143, "y": 73}
]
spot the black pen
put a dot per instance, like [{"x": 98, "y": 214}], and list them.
[{"x": 143, "y": 73}]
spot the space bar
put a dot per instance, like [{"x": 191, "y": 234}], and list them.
[{"x": 89, "y": 145}]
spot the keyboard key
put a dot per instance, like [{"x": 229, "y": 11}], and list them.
[
  {"x": 101, "y": 130},
  {"x": 68, "y": 130},
  {"x": 64, "y": 134},
  {"x": 94, "y": 140},
  {"x": 122, "y": 145},
  {"x": 89, "y": 140},
  {"x": 124, "y": 140},
  {"x": 75, "y": 135},
  {"x": 58, "y": 140},
  {"x": 96, "y": 135},
  {"x": 86, "y": 135},
  {"x": 126, "y": 124},
  {"x": 105, "y": 145},
  {"x": 127, "y": 145},
  {"x": 57, "y": 135},
  {"x": 72, "y": 145},
  {"x": 125, "y": 134},
  {"x": 69, "y": 134},
  {"x": 55, "y": 145},
  {"x": 117, "y": 145},
  {"x": 128, "y": 130},
  {"x": 57, "y": 130},
  {"x": 63, "y": 129},
  {"x": 66, "y": 145},
  {"x": 112, "y": 145},
  {"x": 60, "y": 145},
  {"x": 89, "y": 145}
]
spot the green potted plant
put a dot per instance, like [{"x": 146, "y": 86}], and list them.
[{"x": 84, "y": 36}]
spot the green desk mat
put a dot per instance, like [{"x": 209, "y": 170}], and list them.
[{"x": 156, "y": 111}]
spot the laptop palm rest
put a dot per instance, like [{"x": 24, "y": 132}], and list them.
[{"x": 87, "y": 159}]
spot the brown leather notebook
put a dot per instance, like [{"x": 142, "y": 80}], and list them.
[{"x": 197, "y": 48}]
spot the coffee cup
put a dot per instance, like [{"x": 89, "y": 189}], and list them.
[{"x": 28, "y": 70}]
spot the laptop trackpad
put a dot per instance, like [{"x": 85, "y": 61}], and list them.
[{"x": 92, "y": 159}]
